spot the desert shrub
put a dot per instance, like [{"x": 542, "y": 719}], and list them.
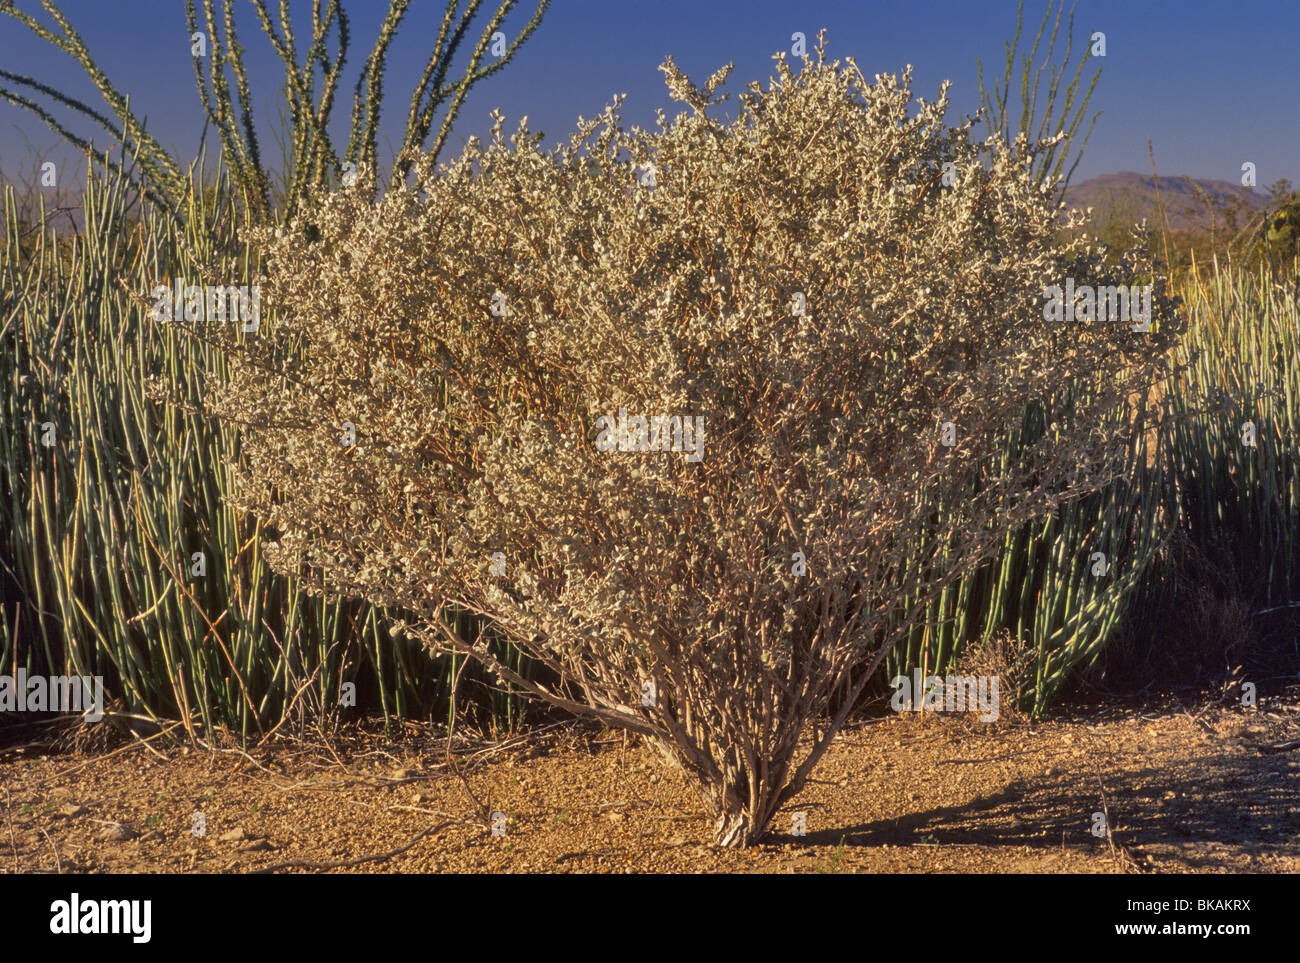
[{"x": 423, "y": 409}]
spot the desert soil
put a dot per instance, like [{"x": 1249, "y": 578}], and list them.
[{"x": 1202, "y": 790}]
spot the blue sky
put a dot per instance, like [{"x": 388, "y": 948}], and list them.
[{"x": 1212, "y": 84}]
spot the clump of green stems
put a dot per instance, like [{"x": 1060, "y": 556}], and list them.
[
  {"x": 1190, "y": 471},
  {"x": 1028, "y": 121},
  {"x": 99, "y": 529},
  {"x": 310, "y": 159},
  {"x": 1242, "y": 357},
  {"x": 1058, "y": 588},
  {"x": 1239, "y": 368}
]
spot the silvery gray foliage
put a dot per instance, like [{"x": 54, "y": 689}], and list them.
[{"x": 475, "y": 428}]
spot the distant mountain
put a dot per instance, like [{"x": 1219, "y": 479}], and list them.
[{"x": 1132, "y": 196}]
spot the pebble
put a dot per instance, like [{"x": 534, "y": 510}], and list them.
[
  {"x": 71, "y": 809},
  {"x": 234, "y": 836},
  {"x": 118, "y": 832}
]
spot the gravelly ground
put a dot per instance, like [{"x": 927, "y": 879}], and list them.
[{"x": 1186, "y": 792}]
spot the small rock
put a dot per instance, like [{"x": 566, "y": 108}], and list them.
[
  {"x": 419, "y": 797},
  {"x": 118, "y": 832},
  {"x": 256, "y": 846},
  {"x": 615, "y": 817},
  {"x": 71, "y": 809},
  {"x": 234, "y": 836},
  {"x": 403, "y": 773}
]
